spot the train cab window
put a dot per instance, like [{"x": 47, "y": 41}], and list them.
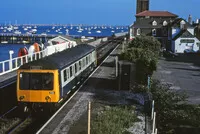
[
  {"x": 65, "y": 75},
  {"x": 71, "y": 71},
  {"x": 36, "y": 81}
]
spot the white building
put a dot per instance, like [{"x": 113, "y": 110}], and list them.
[
  {"x": 182, "y": 37},
  {"x": 59, "y": 43}
]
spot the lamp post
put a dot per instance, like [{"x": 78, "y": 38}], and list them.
[{"x": 11, "y": 52}]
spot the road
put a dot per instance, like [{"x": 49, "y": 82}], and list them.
[{"x": 182, "y": 76}]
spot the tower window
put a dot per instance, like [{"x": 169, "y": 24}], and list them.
[
  {"x": 165, "y": 23},
  {"x": 154, "y": 23},
  {"x": 154, "y": 32},
  {"x": 138, "y": 31}
]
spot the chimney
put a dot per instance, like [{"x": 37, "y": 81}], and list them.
[
  {"x": 182, "y": 25},
  {"x": 197, "y": 21},
  {"x": 190, "y": 19}
]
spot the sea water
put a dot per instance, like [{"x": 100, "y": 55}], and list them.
[
  {"x": 5, "y": 48},
  {"x": 72, "y": 30}
]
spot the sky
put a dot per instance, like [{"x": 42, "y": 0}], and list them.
[{"x": 100, "y": 12}]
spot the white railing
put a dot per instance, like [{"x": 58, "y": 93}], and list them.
[
  {"x": 14, "y": 63},
  {"x": 153, "y": 119}
]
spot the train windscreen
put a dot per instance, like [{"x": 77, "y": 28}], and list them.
[{"x": 36, "y": 81}]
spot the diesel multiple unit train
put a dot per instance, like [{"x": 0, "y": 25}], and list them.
[{"x": 45, "y": 82}]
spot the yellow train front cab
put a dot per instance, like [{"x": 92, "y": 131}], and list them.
[{"x": 38, "y": 86}]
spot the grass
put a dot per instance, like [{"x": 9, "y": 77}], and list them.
[
  {"x": 113, "y": 120},
  {"x": 6, "y": 124}
]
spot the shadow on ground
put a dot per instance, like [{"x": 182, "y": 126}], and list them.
[{"x": 187, "y": 58}]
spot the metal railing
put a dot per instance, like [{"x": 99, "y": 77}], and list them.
[{"x": 14, "y": 63}]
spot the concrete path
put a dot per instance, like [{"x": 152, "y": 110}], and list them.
[{"x": 181, "y": 76}]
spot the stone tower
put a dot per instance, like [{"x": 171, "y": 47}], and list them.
[{"x": 142, "y": 5}]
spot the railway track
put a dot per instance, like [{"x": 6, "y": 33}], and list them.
[
  {"x": 33, "y": 124},
  {"x": 20, "y": 125}
]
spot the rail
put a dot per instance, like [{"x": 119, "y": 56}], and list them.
[{"x": 14, "y": 63}]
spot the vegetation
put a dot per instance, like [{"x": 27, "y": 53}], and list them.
[
  {"x": 147, "y": 43},
  {"x": 6, "y": 124},
  {"x": 172, "y": 109},
  {"x": 113, "y": 120},
  {"x": 144, "y": 52}
]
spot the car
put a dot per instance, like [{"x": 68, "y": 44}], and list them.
[
  {"x": 169, "y": 54},
  {"x": 189, "y": 51}
]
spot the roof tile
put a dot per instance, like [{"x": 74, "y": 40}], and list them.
[{"x": 156, "y": 14}]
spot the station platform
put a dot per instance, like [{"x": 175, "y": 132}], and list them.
[{"x": 8, "y": 78}]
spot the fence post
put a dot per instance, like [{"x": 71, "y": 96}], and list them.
[
  {"x": 3, "y": 66},
  {"x": 152, "y": 110},
  {"x": 11, "y": 52},
  {"x": 156, "y": 131},
  {"x": 16, "y": 62},
  {"x": 154, "y": 120},
  {"x": 89, "y": 109},
  {"x": 27, "y": 58},
  {"x": 148, "y": 82},
  {"x": 123, "y": 44}
]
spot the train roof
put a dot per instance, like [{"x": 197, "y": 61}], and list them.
[{"x": 61, "y": 59}]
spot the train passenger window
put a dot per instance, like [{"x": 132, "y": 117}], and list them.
[
  {"x": 65, "y": 75},
  {"x": 70, "y": 71},
  {"x": 86, "y": 60},
  {"x": 83, "y": 62},
  {"x": 75, "y": 68},
  {"x": 79, "y": 65},
  {"x": 89, "y": 58}
]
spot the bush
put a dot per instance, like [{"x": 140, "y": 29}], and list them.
[
  {"x": 144, "y": 51},
  {"x": 147, "y": 43},
  {"x": 145, "y": 60},
  {"x": 172, "y": 109},
  {"x": 114, "y": 120},
  {"x": 131, "y": 54}
]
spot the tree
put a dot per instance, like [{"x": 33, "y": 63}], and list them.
[{"x": 143, "y": 51}]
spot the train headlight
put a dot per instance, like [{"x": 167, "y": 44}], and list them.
[{"x": 21, "y": 98}]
